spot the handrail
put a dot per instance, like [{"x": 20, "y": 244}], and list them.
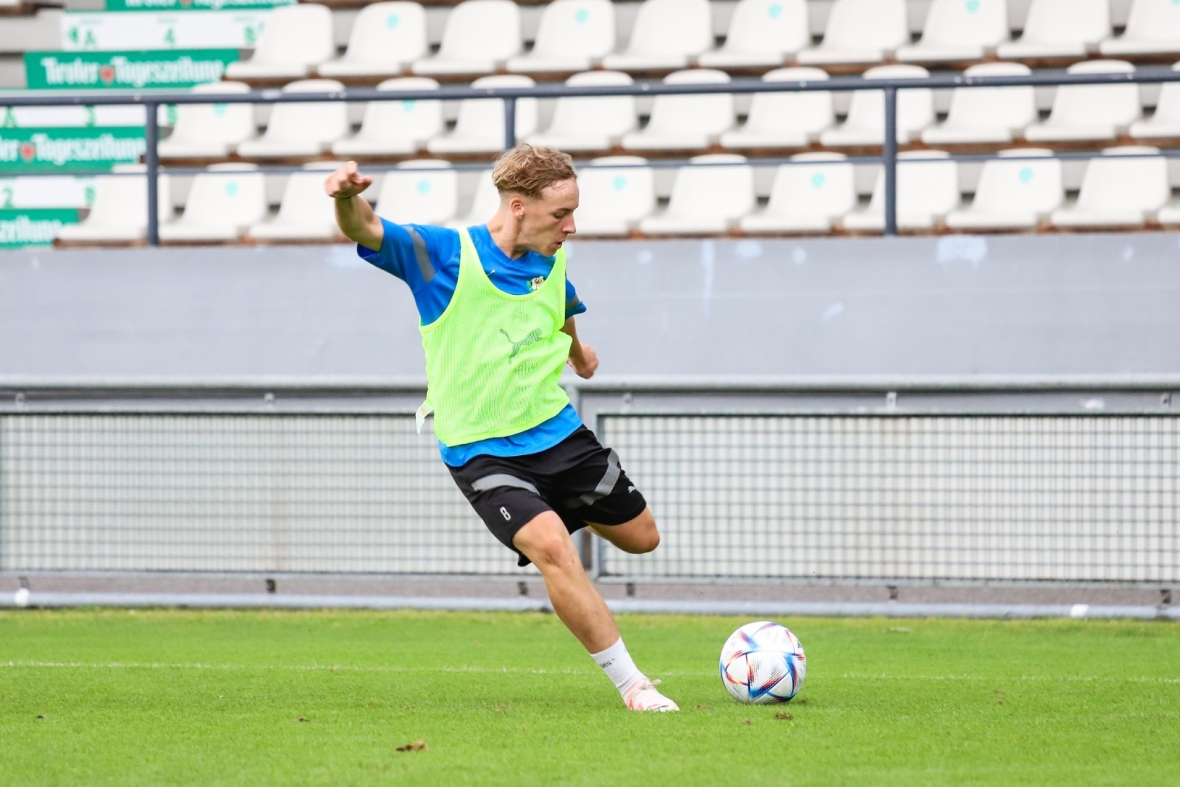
[{"x": 151, "y": 100}]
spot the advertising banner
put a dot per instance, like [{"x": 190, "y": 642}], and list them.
[
  {"x": 46, "y": 191},
  {"x": 125, "y": 70},
  {"x": 89, "y": 116},
  {"x": 33, "y": 227},
  {"x": 192, "y": 5},
  {"x": 69, "y": 149},
  {"x": 85, "y": 31}
]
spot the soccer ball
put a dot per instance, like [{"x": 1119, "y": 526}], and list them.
[{"x": 763, "y": 663}]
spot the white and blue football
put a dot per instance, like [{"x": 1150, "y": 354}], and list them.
[{"x": 763, "y": 663}]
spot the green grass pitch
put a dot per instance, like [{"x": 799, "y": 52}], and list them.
[{"x": 161, "y": 697}]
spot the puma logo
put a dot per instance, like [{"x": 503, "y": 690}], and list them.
[{"x": 532, "y": 338}]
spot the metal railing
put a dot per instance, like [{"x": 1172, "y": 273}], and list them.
[
  {"x": 153, "y": 100},
  {"x": 872, "y": 481}
]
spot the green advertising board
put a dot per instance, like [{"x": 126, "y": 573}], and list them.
[
  {"x": 177, "y": 68},
  {"x": 33, "y": 226},
  {"x": 52, "y": 150},
  {"x": 192, "y": 5}
]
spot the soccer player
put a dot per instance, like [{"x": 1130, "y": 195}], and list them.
[{"x": 497, "y": 323}]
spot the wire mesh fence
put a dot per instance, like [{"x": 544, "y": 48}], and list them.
[{"x": 930, "y": 497}]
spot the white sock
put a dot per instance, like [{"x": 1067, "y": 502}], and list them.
[{"x": 617, "y": 664}]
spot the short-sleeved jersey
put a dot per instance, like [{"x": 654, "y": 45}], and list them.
[{"x": 427, "y": 259}]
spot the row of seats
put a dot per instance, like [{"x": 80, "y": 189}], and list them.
[
  {"x": 484, "y": 36},
  {"x": 1022, "y": 189},
  {"x": 783, "y": 120}
]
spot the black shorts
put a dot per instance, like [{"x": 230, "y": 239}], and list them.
[{"x": 578, "y": 479}]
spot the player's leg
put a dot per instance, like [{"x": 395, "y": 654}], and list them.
[{"x": 636, "y": 536}]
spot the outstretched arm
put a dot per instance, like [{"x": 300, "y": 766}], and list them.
[
  {"x": 355, "y": 216},
  {"x": 582, "y": 358}
]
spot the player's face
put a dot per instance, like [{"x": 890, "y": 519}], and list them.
[{"x": 549, "y": 220}]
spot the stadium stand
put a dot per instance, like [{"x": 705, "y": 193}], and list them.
[
  {"x": 806, "y": 198},
  {"x": 592, "y": 124},
  {"x": 784, "y": 120},
  {"x": 958, "y": 31},
  {"x": 484, "y": 204},
  {"x": 573, "y": 35},
  {"x": 1165, "y": 122},
  {"x": 1153, "y": 28},
  {"x": 865, "y": 124},
  {"x": 986, "y": 115},
  {"x": 615, "y": 196},
  {"x": 210, "y": 131},
  {"x": 222, "y": 203},
  {"x": 306, "y": 214},
  {"x": 119, "y": 213},
  {"x": 706, "y": 200},
  {"x": 480, "y": 37},
  {"x": 1015, "y": 192},
  {"x": 385, "y": 39},
  {"x": 299, "y": 130},
  {"x": 762, "y": 34},
  {"x": 429, "y": 195},
  {"x": 395, "y": 128},
  {"x": 1091, "y": 113},
  {"x": 927, "y": 190},
  {"x": 686, "y": 122},
  {"x": 1060, "y": 29},
  {"x": 667, "y": 35},
  {"x": 480, "y": 126},
  {"x": 860, "y": 32},
  {"x": 1122, "y": 189},
  {"x": 297, "y": 38}
]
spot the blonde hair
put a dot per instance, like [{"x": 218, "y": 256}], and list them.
[{"x": 528, "y": 169}]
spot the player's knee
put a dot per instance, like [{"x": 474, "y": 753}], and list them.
[
  {"x": 647, "y": 540},
  {"x": 547, "y": 544}
]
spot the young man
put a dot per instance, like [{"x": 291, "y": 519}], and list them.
[{"x": 497, "y": 323}]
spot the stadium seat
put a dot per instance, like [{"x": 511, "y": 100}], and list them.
[
  {"x": 301, "y": 129},
  {"x": 395, "y": 128},
  {"x": 666, "y": 35},
  {"x": 429, "y": 195},
  {"x": 222, "y": 202},
  {"x": 1060, "y": 29},
  {"x": 860, "y": 32},
  {"x": 1165, "y": 123},
  {"x": 479, "y": 38},
  {"x": 807, "y": 197},
  {"x": 1153, "y": 28},
  {"x": 480, "y": 126},
  {"x": 958, "y": 30},
  {"x": 986, "y": 115},
  {"x": 1169, "y": 215},
  {"x": 574, "y": 35},
  {"x": 306, "y": 212},
  {"x": 927, "y": 190},
  {"x": 595, "y": 123},
  {"x": 385, "y": 39},
  {"x": 119, "y": 213},
  {"x": 762, "y": 34},
  {"x": 1118, "y": 192},
  {"x": 1090, "y": 112},
  {"x": 617, "y": 193},
  {"x": 1013, "y": 194},
  {"x": 210, "y": 130},
  {"x": 865, "y": 123},
  {"x": 706, "y": 199},
  {"x": 483, "y": 206},
  {"x": 686, "y": 122},
  {"x": 784, "y": 120},
  {"x": 296, "y": 39}
]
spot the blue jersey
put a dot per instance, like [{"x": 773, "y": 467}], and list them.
[{"x": 427, "y": 259}]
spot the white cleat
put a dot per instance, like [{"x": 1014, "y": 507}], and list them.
[{"x": 643, "y": 696}]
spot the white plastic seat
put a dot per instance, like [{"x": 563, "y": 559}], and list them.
[
  {"x": 480, "y": 37},
  {"x": 959, "y": 30},
  {"x": 986, "y": 115},
  {"x": 395, "y": 128},
  {"x": 306, "y": 212},
  {"x": 483, "y": 206},
  {"x": 574, "y": 35},
  {"x": 927, "y": 190},
  {"x": 1060, "y": 29},
  {"x": 762, "y": 34},
  {"x": 480, "y": 125},
  {"x": 429, "y": 195},
  {"x": 1090, "y": 112},
  {"x": 1118, "y": 192},
  {"x": 301, "y": 129},
  {"x": 784, "y": 120},
  {"x": 686, "y": 122},
  {"x": 808, "y": 197},
  {"x": 385, "y": 39},
  {"x": 1015, "y": 192},
  {"x": 296, "y": 39},
  {"x": 591, "y": 123},
  {"x": 221, "y": 205},
  {"x": 119, "y": 213},
  {"x": 667, "y": 34},
  {"x": 210, "y": 130},
  {"x": 616, "y": 194},
  {"x": 865, "y": 123},
  {"x": 1153, "y": 28},
  {"x": 860, "y": 32},
  {"x": 706, "y": 199},
  {"x": 1165, "y": 123}
]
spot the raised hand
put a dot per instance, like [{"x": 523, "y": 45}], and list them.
[{"x": 346, "y": 182}]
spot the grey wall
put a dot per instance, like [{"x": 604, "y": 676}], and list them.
[{"x": 1053, "y": 304}]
